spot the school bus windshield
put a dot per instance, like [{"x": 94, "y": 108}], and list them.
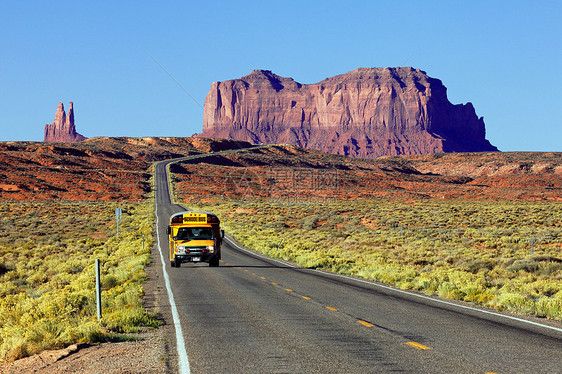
[{"x": 195, "y": 233}]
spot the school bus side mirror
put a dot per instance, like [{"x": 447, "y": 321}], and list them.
[
  {"x": 168, "y": 230},
  {"x": 222, "y": 234}
]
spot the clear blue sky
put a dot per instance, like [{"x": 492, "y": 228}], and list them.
[{"x": 503, "y": 56}]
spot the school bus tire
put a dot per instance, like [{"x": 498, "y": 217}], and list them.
[{"x": 214, "y": 262}]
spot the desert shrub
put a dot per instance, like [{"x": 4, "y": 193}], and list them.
[
  {"x": 48, "y": 288},
  {"x": 524, "y": 265},
  {"x": 477, "y": 265},
  {"x": 549, "y": 306}
]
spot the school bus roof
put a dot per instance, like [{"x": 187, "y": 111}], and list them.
[{"x": 192, "y": 217}]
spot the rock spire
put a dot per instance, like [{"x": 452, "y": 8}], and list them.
[{"x": 63, "y": 129}]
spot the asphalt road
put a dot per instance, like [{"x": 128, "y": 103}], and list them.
[{"x": 257, "y": 315}]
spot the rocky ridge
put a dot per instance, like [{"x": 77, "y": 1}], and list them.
[
  {"x": 62, "y": 129},
  {"x": 365, "y": 113},
  {"x": 109, "y": 169},
  {"x": 117, "y": 169}
]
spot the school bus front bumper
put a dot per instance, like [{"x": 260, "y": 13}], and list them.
[{"x": 200, "y": 253}]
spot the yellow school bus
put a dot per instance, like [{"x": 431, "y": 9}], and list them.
[{"x": 195, "y": 237}]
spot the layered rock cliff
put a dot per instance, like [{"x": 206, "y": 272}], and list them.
[
  {"x": 63, "y": 129},
  {"x": 367, "y": 113}
]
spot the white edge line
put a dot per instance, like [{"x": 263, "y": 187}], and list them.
[
  {"x": 404, "y": 292},
  {"x": 447, "y": 302},
  {"x": 183, "y": 360},
  {"x": 166, "y": 166}
]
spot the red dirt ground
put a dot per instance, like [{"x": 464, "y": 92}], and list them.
[
  {"x": 120, "y": 169},
  {"x": 296, "y": 173},
  {"x": 96, "y": 169}
]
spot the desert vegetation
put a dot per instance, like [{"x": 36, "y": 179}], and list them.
[
  {"x": 47, "y": 275},
  {"x": 501, "y": 254}
]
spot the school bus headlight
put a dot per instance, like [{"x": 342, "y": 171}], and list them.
[
  {"x": 211, "y": 248},
  {"x": 181, "y": 249}
]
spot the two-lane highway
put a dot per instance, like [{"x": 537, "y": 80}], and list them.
[{"x": 258, "y": 315}]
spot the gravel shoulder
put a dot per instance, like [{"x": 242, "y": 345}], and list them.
[{"x": 147, "y": 353}]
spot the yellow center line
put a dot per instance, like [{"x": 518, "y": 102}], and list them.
[
  {"x": 365, "y": 323},
  {"x": 288, "y": 289},
  {"x": 329, "y": 307},
  {"x": 274, "y": 283},
  {"x": 246, "y": 270},
  {"x": 253, "y": 273},
  {"x": 263, "y": 277},
  {"x": 417, "y": 345},
  {"x": 306, "y": 298}
]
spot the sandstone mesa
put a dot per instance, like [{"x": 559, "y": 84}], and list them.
[
  {"x": 63, "y": 129},
  {"x": 365, "y": 113}
]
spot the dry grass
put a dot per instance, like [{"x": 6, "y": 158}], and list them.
[{"x": 47, "y": 276}]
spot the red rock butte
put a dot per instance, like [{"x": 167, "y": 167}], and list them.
[
  {"x": 63, "y": 129},
  {"x": 365, "y": 113}
]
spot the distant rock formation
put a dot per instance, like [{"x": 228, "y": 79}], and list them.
[
  {"x": 366, "y": 113},
  {"x": 63, "y": 129}
]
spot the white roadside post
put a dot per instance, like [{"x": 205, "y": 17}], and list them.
[
  {"x": 98, "y": 288},
  {"x": 279, "y": 246},
  {"x": 117, "y": 217}
]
